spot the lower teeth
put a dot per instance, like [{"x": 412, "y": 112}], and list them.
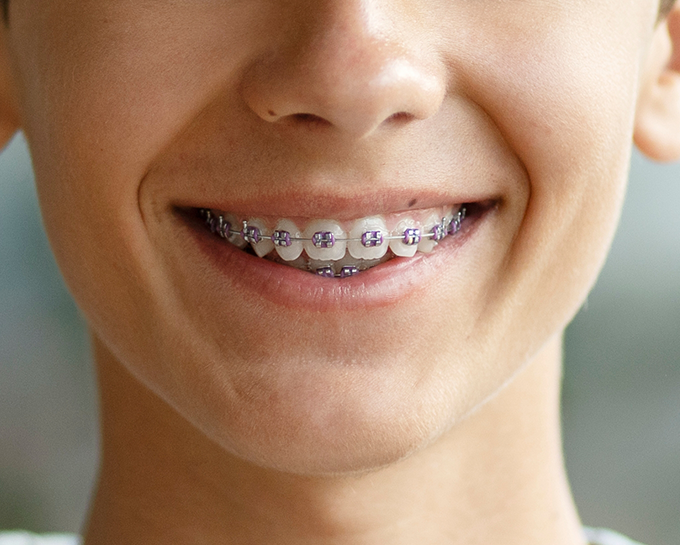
[
  {"x": 342, "y": 268},
  {"x": 347, "y": 266}
]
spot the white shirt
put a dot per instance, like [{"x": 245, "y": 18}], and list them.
[{"x": 26, "y": 538}]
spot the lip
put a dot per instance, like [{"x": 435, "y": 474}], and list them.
[
  {"x": 300, "y": 204},
  {"x": 387, "y": 284}
]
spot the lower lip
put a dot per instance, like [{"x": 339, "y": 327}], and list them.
[{"x": 386, "y": 284}]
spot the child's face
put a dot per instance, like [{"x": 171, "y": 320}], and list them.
[{"x": 137, "y": 108}]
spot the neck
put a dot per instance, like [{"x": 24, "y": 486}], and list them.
[{"x": 496, "y": 478}]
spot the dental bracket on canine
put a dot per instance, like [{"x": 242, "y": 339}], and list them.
[{"x": 410, "y": 236}]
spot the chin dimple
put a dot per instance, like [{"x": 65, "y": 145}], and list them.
[{"x": 335, "y": 249}]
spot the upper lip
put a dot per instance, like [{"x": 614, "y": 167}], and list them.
[{"x": 315, "y": 204}]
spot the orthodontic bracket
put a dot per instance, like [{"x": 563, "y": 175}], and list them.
[{"x": 326, "y": 239}]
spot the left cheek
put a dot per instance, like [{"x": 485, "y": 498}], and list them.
[{"x": 564, "y": 102}]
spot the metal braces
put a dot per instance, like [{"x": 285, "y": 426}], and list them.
[{"x": 326, "y": 239}]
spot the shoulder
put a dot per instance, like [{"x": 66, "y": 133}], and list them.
[
  {"x": 601, "y": 536},
  {"x": 26, "y": 538}
]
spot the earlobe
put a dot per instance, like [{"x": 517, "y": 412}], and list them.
[
  {"x": 9, "y": 117},
  {"x": 657, "y": 120}
]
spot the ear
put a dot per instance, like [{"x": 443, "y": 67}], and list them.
[
  {"x": 9, "y": 113},
  {"x": 657, "y": 120}
]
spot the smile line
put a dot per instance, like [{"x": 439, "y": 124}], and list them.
[{"x": 324, "y": 240}]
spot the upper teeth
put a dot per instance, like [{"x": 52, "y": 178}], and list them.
[{"x": 326, "y": 240}]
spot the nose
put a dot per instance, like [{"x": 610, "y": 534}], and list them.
[{"x": 345, "y": 64}]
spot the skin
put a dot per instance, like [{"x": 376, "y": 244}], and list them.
[{"x": 219, "y": 426}]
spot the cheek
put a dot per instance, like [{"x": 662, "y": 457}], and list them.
[
  {"x": 102, "y": 114},
  {"x": 563, "y": 96},
  {"x": 104, "y": 87}
]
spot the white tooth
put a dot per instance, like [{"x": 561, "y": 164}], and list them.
[
  {"x": 299, "y": 263},
  {"x": 236, "y": 240},
  {"x": 369, "y": 263},
  {"x": 356, "y": 247},
  {"x": 334, "y": 252},
  {"x": 449, "y": 215},
  {"x": 314, "y": 264},
  {"x": 292, "y": 252},
  {"x": 397, "y": 245},
  {"x": 346, "y": 261},
  {"x": 426, "y": 245},
  {"x": 452, "y": 213},
  {"x": 265, "y": 245}
]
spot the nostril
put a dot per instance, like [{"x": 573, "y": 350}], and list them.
[
  {"x": 313, "y": 120},
  {"x": 400, "y": 117},
  {"x": 310, "y": 119}
]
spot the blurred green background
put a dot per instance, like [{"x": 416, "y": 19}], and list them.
[{"x": 621, "y": 391}]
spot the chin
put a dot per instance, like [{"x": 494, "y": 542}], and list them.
[{"x": 321, "y": 418}]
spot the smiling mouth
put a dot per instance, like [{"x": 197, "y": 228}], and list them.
[{"x": 333, "y": 249}]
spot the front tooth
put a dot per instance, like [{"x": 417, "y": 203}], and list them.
[
  {"x": 264, "y": 245},
  {"x": 448, "y": 218},
  {"x": 345, "y": 261},
  {"x": 325, "y": 240},
  {"x": 399, "y": 246},
  {"x": 317, "y": 264},
  {"x": 235, "y": 225},
  {"x": 287, "y": 248},
  {"x": 301, "y": 262},
  {"x": 427, "y": 244},
  {"x": 374, "y": 229}
]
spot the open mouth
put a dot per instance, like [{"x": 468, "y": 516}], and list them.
[{"x": 334, "y": 249}]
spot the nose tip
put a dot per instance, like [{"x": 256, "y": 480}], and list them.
[{"x": 345, "y": 78}]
